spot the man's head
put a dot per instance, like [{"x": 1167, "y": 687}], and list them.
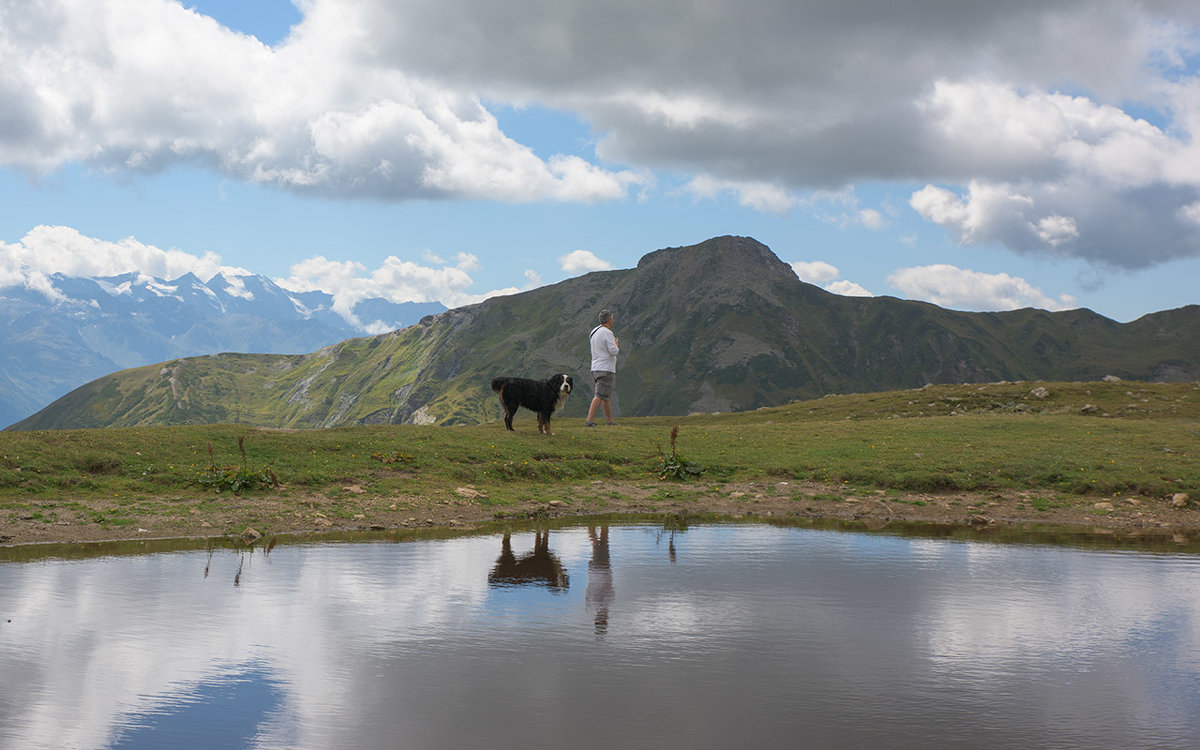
[{"x": 606, "y": 317}]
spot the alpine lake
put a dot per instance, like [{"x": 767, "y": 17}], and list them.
[{"x": 611, "y": 632}]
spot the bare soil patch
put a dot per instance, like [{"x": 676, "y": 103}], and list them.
[{"x": 356, "y": 508}]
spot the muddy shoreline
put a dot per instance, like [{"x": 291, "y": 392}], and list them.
[{"x": 467, "y": 506}]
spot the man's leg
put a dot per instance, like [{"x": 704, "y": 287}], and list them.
[{"x": 596, "y": 401}]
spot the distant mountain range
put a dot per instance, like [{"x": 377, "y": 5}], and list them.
[
  {"x": 720, "y": 326},
  {"x": 78, "y": 329}
]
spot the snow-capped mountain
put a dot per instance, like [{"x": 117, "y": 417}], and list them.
[{"x": 73, "y": 330}]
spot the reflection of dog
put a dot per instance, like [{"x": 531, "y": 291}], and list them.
[
  {"x": 541, "y": 396},
  {"x": 538, "y": 568}
]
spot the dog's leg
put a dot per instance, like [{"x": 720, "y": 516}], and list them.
[{"x": 508, "y": 413}]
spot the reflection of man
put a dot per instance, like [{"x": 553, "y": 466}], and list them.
[
  {"x": 600, "y": 591},
  {"x": 540, "y": 567}
]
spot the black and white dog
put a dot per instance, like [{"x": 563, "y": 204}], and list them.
[{"x": 541, "y": 396}]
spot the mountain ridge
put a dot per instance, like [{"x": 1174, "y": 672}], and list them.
[
  {"x": 59, "y": 336},
  {"x": 723, "y": 325}
]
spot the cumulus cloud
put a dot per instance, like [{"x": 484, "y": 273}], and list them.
[
  {"x": 847, "y": 289},
  {"x": 396, "y": 280},
  {"x": 143, "y": 84},
  {"x": 583, "y": 261},
  {"x": 825, "y": 94},
  {"x": 1065, "y": 177},
  {"x": 1011, "y": 113},
  {"x": 46, "y": 250},
  {"x": 815, "y": 271},
  {"x": 963, "y": 289},
  {"x": 843, "y": 209},
  {"x": 764, "y": 197},
  {"x": 827, "y": 274}
]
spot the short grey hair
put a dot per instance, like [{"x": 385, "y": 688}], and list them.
[{"x": 605, "y": 316}]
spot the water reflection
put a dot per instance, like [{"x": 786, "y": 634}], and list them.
[
  {"x": 539, "y": 567},
  {"x": 600, "y": 590},
  {"x": 542, "y": 567},
  {"x": 755, "y": 636}
]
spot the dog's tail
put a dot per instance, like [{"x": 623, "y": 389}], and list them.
[{"x": 499, "y": 383}]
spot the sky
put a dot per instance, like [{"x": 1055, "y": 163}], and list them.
[{"x": 977, "y": 155}]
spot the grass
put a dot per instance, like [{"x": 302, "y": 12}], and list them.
[{"x": 1135, "y": 438}]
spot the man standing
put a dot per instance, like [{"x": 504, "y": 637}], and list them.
[{"x": 605, "y": 348}]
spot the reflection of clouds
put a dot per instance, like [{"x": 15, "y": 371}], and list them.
[
  {"x": 355, "y": 636},
  {"x": 102, "y": 639},
  {"x": 1119, "y": 634},
  {"x": 684, "y": 615},
  {"x": 1025, "y": 606}
]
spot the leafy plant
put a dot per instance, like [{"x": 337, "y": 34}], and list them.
[
  {"x": 393, "y": 457},
  {"x": 235, "y": 478},
  {"x": 675, "y": 466}
]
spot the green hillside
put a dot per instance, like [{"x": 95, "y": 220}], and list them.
[{"x": 722, "y": 326}]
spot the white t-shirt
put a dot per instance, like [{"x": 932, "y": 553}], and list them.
[{"x": 604, "y": 350}]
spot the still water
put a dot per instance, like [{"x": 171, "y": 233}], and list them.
[{"x": 622, "y": 636}]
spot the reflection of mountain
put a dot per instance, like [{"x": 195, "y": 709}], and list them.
[
  {"x": 541, "y": 567},
  {"x": 77, "y": 329}
]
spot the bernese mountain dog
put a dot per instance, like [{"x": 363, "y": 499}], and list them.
[{"x": 541, "y": 396}]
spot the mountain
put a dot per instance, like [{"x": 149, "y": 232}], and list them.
[
  {"x": 55, "y": 339},
  {"x": 719, "y": 326}
]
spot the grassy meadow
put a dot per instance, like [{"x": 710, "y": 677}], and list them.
[{"x": 1065, "y": 442}]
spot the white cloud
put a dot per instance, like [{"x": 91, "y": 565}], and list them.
[
  {"x": 872, "y": 219},
  {"x": 943, "y": 207},
  {"x": 583, "y": 261},
  {"x": 46, "y": 250},
  {"x": 842, "y": 208},
  {"x": 763, "y": 197},
  {"x": 396, "y": 280},
  {"x": 816, "y": 271},
  {"x": 1012, "y": 110},
  {"x": 1055, "y": 230},
  {"x": 820, "y": 272},
  {"x": 142, "y": 84},
  {"x": 1062, "y": 176},
  {"x": 847, "y": 289},
  {"x": 958, "y": 288},
  {"x": 1190, "y": 213}
]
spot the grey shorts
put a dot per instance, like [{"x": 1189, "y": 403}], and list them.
[{"x": 604, "y": 383}]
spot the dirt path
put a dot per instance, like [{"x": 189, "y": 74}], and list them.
[{"x": 355, "y": 509}]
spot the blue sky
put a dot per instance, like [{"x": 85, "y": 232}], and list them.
[{"x": 978, "y": 156}]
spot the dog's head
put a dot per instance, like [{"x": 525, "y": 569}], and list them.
[{"x": 563, "y": 384}]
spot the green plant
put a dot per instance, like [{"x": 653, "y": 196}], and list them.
[
  {"x": 675, "y": 466},
  {"x": 235, "y": 478},
  {"x": 393, "y": 457}
]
